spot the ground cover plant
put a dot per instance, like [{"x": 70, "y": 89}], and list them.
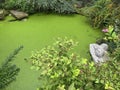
[{"x": 8, "y": 71}]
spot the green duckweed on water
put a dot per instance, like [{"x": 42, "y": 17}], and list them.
[{"x": 37, "y": 32}]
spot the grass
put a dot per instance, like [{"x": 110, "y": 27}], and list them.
[{"x": 37, "y": 32}]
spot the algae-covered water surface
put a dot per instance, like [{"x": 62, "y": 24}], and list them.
[{"x": 37, "y": 32}]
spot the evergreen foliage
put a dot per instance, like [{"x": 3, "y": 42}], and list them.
[
  {"x": 32, "y": 6},
  {"x": 102, "y": 13},
  {"x": 8, "y": 71}
]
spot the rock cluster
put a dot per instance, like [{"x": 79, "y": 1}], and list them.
[{"x": 18, "y": 15}]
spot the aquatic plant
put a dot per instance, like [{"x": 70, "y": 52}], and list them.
[{"x": 8, "y": 72}]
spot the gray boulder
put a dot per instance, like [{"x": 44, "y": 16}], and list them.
[
  {"x": 99, "y": 52},
  {"x": 18, "y": 15}
]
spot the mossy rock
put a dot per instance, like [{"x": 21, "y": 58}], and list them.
[{"x": 3, "y": 14}]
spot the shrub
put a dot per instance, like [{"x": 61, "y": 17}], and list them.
[
  {"x": 8, "y": 72},
  {"x": 102, "y": 13},
  {"x": 116, "y": 1},
  {"x": 57, "y": 66},
  {"x": 59, "y": 6},
  {"x": 61, "y": 69},
  {"x": 31, "y": 6},
  {"x": 116, "y": 53},
  {"x": 22, "y": 5},
  {"x": 111, "y": 37},
  {"x": 1, "y": 3}
]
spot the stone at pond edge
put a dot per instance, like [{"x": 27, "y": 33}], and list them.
[
  {"x": 99, "y": 52},
  {"x": 3, "y": 13},
  {"x": 18, "y": 14}
]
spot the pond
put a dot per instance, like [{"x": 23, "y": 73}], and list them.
[{"x": 37, "y": 32}]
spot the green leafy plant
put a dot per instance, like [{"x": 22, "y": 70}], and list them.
[
  {"x": 8, "y": 72},
  {"x": 60, "y": 69},
  {"x": 22, "y": 5},
  {"x": 102, "y": 13},
  {"x": 1, "y": 3},
  {"x": 56, "y": 65},
  {"x": 116, "y": 1},
  {"x": 32, "y": 6},
  {"x": 116, "y": 53},
  {"x": 111, "y": 37},
  {"x": 110, "y": 34}
]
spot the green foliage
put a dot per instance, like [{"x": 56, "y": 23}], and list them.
[
  {"x": 108, "y": 75},
  {"x": 102, "y": 13},
  {"x": 8, "y": 71},
  {"x": 59, "y": 6},
  {"x": 1, "y": 3},
  {"x": 111, "y": 34},
  {"x": 23, "y": 5},
  {"x": 56, "y": 65},
  {"x": 116, "y": 53},
  {"x": 60, "y": 69},
  {"x": 111, "y": 38},
  {"x": 31, "y": 6},
  {"x": 116, "y": 1}
]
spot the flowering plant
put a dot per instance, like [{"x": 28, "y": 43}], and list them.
[
  {"x": 110, "y": 34},
  {"x": 105, "y": 30}
]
